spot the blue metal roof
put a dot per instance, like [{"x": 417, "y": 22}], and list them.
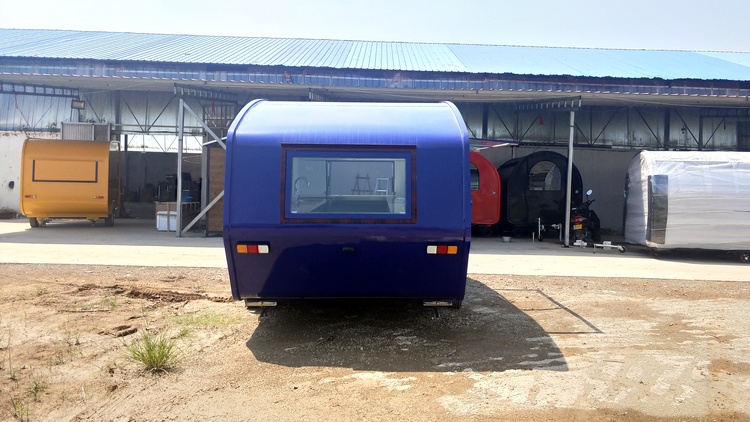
[
  {"x": 374, "y": 55},
  {"x": 598, "y": 62}
]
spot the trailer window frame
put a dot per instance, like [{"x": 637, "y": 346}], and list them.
[
  {"x": 44, "y": 170},
  {"x": 345, "y": 154}
]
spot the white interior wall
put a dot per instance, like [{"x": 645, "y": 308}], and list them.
[
  {"x": 602, "y": 171},
  {"x": 11, "y": 145}
]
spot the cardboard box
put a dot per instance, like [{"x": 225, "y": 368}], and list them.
[
  {"x": 166, "y": 214},
  {"x": 166, "y": 206},
  {"x": 166, "y": 221}
]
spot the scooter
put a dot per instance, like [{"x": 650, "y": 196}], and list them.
[{"x": 584, "y": 223}]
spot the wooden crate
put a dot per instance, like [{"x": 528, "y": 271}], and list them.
[{"x": 216, "y": 158}]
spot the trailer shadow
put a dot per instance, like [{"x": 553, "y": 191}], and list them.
[{"x": 489, "y": 333}]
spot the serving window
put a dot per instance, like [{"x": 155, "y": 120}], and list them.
[
  {"x": 545, "y": 176},
  {"x": 68, "y": 171},
  {"x": 348, "y": 185},
  {"x": 474, "y": 177}
]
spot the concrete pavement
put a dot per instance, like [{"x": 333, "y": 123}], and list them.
[{"x": 136, "y": 242}]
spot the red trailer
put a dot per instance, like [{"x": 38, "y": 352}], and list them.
[{"x": 485, "y": 191}]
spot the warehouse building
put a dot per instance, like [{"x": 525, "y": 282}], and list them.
[{"x": 154, "y": 93}]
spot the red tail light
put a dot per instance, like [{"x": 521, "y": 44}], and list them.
[
  {"x": 249, "y": 248},
  {"x": 442, "y": 249},
  {"x": 577, "y": 219}
]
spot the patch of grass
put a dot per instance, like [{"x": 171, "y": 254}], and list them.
[
  {"x": 12, "y": 373},
  {"x": 206, "y": 320},
  {"x": 184, "y": 332},
  {"x": 10, "y": 363},
  {"x": 3, "y": 348},
  {"x": 19, "y": 409},
  {"x": 157, "y": 354},
  {"x": 37, "y": 387},
  {"x": 65, "y": 349},
  {"x": 106, "y": 304},
  {"x": 57, "y": 358},
  {"x": 109, "y": 303},
  {"x": 73, "y": 339}
]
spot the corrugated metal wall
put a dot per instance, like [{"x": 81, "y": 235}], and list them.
[
  {"x": 605, "y": 126},
  {"x": 35, "y": 113},
  {"x": 150, "y": 120}
]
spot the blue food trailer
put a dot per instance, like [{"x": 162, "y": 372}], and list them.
[{"x": 347, "y": 200}]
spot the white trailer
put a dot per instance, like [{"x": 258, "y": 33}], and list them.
[{"x": 689, "y": 200}]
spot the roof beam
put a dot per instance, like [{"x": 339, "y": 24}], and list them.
[
  {"x": 562, "y": 104},
  {"x": 186, "y": 91},
  {"x": 43, "y": 90}
]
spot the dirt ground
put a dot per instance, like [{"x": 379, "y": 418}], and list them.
[{"x": 521, "y": 348}]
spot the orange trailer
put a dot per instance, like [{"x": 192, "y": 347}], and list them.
[{"x": 69, "y": 179}]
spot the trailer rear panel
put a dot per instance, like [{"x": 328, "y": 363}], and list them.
[{"x": 347, "y": 200}]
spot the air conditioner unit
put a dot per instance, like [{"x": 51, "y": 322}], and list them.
[{"x": 76, "y": 131}]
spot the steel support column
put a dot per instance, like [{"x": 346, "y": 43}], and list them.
[
  {"x": 216, "y": 139},
  {"x": 570, "y": 104},
  {"x": 569, "y": 183},
  {"x": 180, "y": 129}
]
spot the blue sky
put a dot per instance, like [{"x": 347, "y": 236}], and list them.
[{"x": 719, "y": 25}]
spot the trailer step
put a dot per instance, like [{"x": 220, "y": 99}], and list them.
[
  {"x": 249, "y": 303},
  {"x": 438, "y": 303}
]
